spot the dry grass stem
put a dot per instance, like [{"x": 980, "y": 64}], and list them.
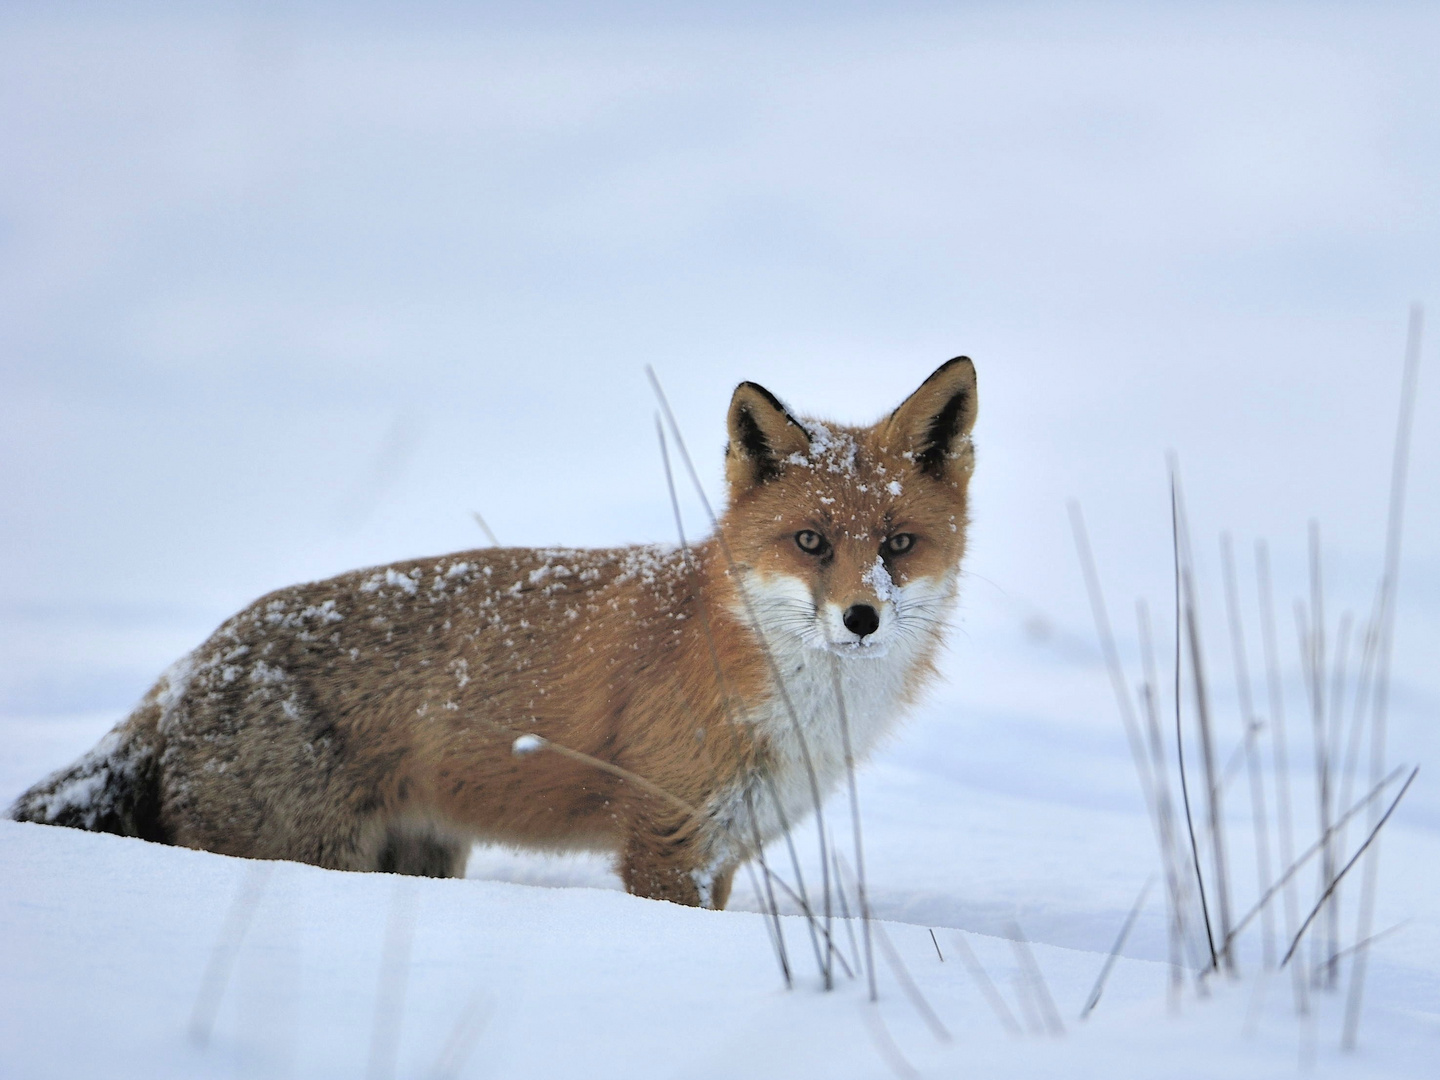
[
  {"x": 1363, "y": 681},
  {"x": 390, "y": 994},
  {"x": 1035, "y": 982},
  {"x": 1378, "y": 714},
  {"x": 1284, "y": 880},
  {"x": 227, "y": 949},
  {"x": 910, "y": 986},
  {"x": 1374, "y": 832},
  {"x": 885, "y": 1043},
  {"x": 1120, "y": 939},
  {"x": 1175, "y": 880},
  {"x": 1215, "y": 817},
  {"x": 1313, "y": 643},
  {"x": 1252, "y": 757},
  {"x": 485, "y": 528},
  {"x": 1126, "y": 707},
  {"x": 1362, "y": 945},
  {"x": 845, "y": 912},
  {"x": 1179, "y": 726},
  {"x": 988, "y": 989},
  {"x": 861, "y": 894},
  {"x": 777, "y": 935},
  {"x": 1284, "y": 816},
  {"x": 1337, "y": 712},
  {"x": 463, "y": 1036},
  {"x": 659, "y": 792},
  {"x": 1149, "y": 767},
  {"x": 775, "y": 672}
]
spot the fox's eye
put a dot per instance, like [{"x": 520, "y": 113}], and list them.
[
  {"x": 811, "y": 542},
  {"x": 899, "y": 543}
]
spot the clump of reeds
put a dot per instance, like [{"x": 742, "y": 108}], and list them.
[{"x": 1203, "y": 929}]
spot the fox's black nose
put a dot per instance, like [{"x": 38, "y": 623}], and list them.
[{"x": 862, "y": 619}]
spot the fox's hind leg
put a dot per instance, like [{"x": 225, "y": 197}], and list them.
[{"x": 419, "y": 852}]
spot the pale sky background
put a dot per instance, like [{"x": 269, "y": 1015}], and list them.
[{"x": 290, "y": 289}]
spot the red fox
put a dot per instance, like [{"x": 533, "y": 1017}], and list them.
[{"x": 676, "y": 707}]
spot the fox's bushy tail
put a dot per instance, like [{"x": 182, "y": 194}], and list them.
[{"x": 115, "y": 788}]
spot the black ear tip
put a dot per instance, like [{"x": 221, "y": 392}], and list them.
[
  {"x": 756, "y": 388},
  {"x": 952, "y": 366}
]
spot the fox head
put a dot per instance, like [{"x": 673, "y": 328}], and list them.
[{"x": 850, "y": 539}]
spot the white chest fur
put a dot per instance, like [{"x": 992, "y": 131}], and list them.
[
  {"x": 803, "y": 722},
  {"x": 806, "y": 721}
]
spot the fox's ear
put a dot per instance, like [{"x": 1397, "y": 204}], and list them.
[
  {"x": 762, "y": 435},
  {"x": 932, "y": 425}
]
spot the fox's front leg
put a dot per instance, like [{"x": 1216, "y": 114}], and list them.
[{"x": 667, "y": 858}]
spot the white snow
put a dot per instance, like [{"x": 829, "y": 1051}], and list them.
[
  {"x": 878, "y": 578},
  {"x": 109, "y": 941},
  {"x": 526, "y": 745}
]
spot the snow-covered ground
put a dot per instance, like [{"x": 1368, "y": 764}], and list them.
[
  {"x": 284, "y": 292},
  {"x": 504, "y": 974}
]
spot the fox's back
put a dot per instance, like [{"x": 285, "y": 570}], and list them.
[{"x": 512, "y": 626}]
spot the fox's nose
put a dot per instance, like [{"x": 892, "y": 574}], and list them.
[{"x": 862, "y": 619}]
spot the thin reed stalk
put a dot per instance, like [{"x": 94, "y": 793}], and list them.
[
  {"x": 537, "y": 743},
  {"x": 1359, "y": 945},
  {"x": 1106, "y": 636},
  {"x": 988, "y": 989},
  {"x": 780, "y": 684},
  {"x": 1358, "y": 709},
  {"x": 1378, "y": 715},
  {"x": 1148, "y": 779},
  {"x": 1281, "y": 757},
  {"x": 1252, "y": 757},
  {"x": 1288, "y": 875},
  {"x": 1313, "y": 650},
  {"x": 845, "y": 914},
  {"x": 463, "y": 1036},
  {"x": 908, "y": 984},
  {"x": 1120, "y": 939},
  {"x": 1374, "y": 832},
  {"x": 768, "y": 897},
  {"x": 862, "y": 895},
  {"x": 390, "y": 993},
  {"x": 1175, "y": 882},
  {"x": 885, "y": 1043},
  {"x": 227, "y": 949},
  {"x": 1179, "y": 727},
  {"x": 1305, "y": 640},
  {"x": 1337, "y": 713},
  {"x": 1214, "y": 791},
  {"x": 485, "y": 528},
  {"x": 1035, "y": 981}
]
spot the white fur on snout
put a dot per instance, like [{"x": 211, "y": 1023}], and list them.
[
  {"x": 786, "y": 611},
  {"x": 804, "y": 642},
  {"x": 841, "y": 639}
]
